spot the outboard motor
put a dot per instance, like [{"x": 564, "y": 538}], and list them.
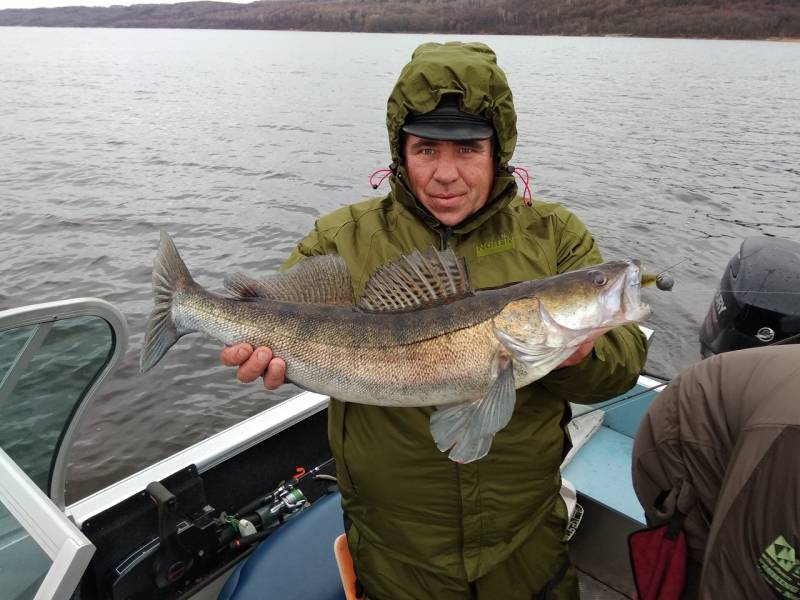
[{"x": 758, "y": 300}]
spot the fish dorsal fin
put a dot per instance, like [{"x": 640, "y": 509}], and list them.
[
  {"x": 314, "y": 280},
  {"x": 416, "y": 280}
]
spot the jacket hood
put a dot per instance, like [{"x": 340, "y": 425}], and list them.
[{"x": 468, "y": 70}]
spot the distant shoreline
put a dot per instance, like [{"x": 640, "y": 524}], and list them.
[
  {"x": 465, "y": 35},
  {"x": 779, "y": 20}
]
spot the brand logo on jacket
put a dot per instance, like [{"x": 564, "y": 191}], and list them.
[
  {"x": 502, "y": 244},
  {"x": 780, "y": 568},
  {"x": 719, "y": 303}
]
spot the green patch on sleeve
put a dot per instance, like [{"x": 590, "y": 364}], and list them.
[{"x": 780, "y": 568}]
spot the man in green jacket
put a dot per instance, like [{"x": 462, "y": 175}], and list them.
[{"x": 422, "y": 525}]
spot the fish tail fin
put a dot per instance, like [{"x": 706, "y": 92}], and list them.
[
  {"x": 170, "y": 275},
  {"x": 467, "y": 429}
]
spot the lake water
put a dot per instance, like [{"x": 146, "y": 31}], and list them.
[{"x": 235, "y": 141}]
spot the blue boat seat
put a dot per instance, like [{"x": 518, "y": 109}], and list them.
[
  {"x": 602, "y": 471},
  {"x": 295, "y": 562}
]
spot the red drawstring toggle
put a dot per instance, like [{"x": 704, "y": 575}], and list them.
[
  {"x": 385, "y": 174},
  {"x": 525, "y": 177}
]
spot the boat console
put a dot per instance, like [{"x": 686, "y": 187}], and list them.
[{"x": 180, "y": 534}]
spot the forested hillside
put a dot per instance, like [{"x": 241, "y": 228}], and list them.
[{"x": 664, "y": 18}]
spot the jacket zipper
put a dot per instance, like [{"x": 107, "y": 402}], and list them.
[{"x": 444, "y": 237}]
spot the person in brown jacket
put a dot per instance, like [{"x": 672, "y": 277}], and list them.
[{"x": 720, "y": 445}]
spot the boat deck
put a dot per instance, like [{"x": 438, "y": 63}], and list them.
[
  {"x": 601, "y": 472},
  {"x": 592, "y": 589}
]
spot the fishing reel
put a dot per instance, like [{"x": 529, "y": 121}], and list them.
[
  {"x": 187, "y": 547},
  {"x": 258, "y": 521},
  {"x": 259, "y": 518},
  {"x": 288, "y": 501}
]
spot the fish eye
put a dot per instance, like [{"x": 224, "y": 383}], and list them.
[{"x": 598, "y": 278}]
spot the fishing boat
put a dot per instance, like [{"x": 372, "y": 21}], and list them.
[{"x": 253, "y": 511}]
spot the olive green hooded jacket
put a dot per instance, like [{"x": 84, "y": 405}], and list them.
[{"x": 406, "y": 499}]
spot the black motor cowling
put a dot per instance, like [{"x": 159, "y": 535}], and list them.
[{"x": 758, "y": 300}]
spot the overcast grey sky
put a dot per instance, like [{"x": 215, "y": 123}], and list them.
[{"x": 51, "y": 3}]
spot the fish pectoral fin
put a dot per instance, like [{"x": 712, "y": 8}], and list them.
[
  {"x": 468, "y": 450},
  {"x": 469, "y": 428},
  {"x": 448, "y": 422}
]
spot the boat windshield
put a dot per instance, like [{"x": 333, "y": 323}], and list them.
[
  {"x": 25, "y": 564},
  {"x": 53, "y": 357},
  {"x": 46, "y": 370}
]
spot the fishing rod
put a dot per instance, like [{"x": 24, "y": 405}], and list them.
[
  {"x": 706, "y": 290},
  {"x": 625, "y": 398},
  {"x": 648, "y": 279},
  {"x": 664, "y": 281},
  {"x": 788, "y": 340}
]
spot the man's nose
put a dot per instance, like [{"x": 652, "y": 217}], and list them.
[{"x": 446, "y": 170}]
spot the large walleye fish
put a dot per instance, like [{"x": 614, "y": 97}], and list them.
[{"x": 419, "y": 335}]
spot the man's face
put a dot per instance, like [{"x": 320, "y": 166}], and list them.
[{"x": 451, "y": 179}]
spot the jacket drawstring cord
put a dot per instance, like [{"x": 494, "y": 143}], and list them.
[
  {"x": 384, "y": 173},
  {"x": 525, "y": 177}
]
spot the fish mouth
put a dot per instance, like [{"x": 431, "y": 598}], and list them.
[
  {"x": 620, "y": 303},
  {"x": 622, "y": 299},
  {"x": 632, "y": 308}
]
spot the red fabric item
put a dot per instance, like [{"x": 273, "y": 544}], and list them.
[{"x": 658, "y": 559}]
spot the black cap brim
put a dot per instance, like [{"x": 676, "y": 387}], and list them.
[
  {"x": 455, "y": 131},
  {"x": 447, "y": 122}
]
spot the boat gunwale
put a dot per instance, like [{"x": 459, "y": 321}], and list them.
[{"x": 205, "y": 454}]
